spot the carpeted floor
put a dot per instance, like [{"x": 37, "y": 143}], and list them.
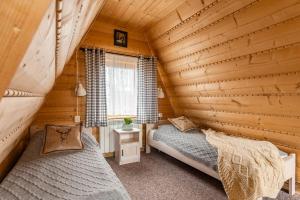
[{"x": 161, "y": 177}]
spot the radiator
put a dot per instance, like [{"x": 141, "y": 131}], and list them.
[{"x": 107, "y": 136}]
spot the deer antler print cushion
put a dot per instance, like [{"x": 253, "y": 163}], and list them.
[{"x": 61, "y": 138}]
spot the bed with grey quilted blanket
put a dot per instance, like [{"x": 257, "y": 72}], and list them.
[
  {"x": 83, "y": 175},
  {"x": 192, "y": 144}
]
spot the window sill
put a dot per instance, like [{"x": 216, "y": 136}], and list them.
[{"x": 121, "y": 117}]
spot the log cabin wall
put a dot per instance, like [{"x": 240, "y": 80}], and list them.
[
  {"x": 60, "y": 103},
  {"x": 31, "y": 59},
  {"x": 101, "y": 36},
  {"x": 235, "y": 66}
]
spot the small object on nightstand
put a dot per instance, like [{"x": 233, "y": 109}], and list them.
[
  {"x": 127, "y": 125},
  {"x": 127, "y": 146}
]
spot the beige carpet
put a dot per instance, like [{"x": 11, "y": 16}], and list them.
[{"x": 161, "y": 177}]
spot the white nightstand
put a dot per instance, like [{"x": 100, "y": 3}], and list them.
[{"x": 127, "y": 146}]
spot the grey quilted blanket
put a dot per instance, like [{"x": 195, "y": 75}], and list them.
[
  {"x": 66, "y": 175},
  {"x": 192, "y": 144}
]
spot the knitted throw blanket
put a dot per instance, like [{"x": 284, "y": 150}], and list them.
[{"x": 248, "y": 169}]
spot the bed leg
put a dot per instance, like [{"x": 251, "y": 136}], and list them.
[
  {"x": 292, "y": 185},
  {"x": 148, "y": 149},
  {"x": 292, "y": 180},
  {"x": 148, "y": 129}
]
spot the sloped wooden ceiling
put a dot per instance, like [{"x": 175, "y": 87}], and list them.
[
  {"x": 37, "y": 39},
  {"x": 233, "y": 65},
  {"x": 138, "y": 14}
]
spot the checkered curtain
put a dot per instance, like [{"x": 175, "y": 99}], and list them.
[
  {"x": 96, "y": 108},
  {"x": 147, "y": 106}
]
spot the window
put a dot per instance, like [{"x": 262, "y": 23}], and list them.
[{"x": 121, "y": 85}]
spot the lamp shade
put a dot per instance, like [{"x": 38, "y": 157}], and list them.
[
  {"x": 160, "y": 93},
  {"x": 80, "y": 91}
]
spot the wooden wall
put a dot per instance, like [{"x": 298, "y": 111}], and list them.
[
  {"x": 60, "y": 103},
  {"x": 235, "y": 66},
  {"x": 31, "y": 58},
  {"x": 101, "y": 35}
]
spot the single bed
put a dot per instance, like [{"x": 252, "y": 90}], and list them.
[
  {"x": 193, "y": 149},
  {"x": 83, "y": 175}
]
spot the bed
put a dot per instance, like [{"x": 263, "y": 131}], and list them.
[
  {"x": 193, "y": 149},
  {"x": 73, "y": 175}
]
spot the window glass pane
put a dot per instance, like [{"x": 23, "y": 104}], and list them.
[{"x": 121, "y": 85}]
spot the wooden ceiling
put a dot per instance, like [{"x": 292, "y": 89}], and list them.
[{"x": 139, "y": 14}]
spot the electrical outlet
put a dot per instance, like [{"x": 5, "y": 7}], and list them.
[
  {"x": 160, "y": 115},
  {"x": 77, "y": 119}
]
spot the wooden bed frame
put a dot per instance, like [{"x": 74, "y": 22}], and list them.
[{"x": 289, "y": 161}]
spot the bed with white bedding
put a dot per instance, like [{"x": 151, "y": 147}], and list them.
[
  {"x": 83, "y": 175},
  {"x": 193, "y": 149}
]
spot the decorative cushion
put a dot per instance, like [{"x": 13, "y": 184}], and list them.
[
  {"x": 60, "y": 138},
  {"x": 182, "y": 123}
]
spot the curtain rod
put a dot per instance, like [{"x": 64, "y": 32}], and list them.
[{"x": 116, "y": 52}]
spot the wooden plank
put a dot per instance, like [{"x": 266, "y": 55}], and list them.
[
  {"x": 85, "y": 12},
  {"x": 66, "y": 27},
  {"x": 20, "y": 20},
  {"x": 278, "y": 123},
  {"x": 209, "y": 16},
  {"x": 281, "y": 61},
  {"x": 286, "y": 83},
  {"x": 177, "y": 17},
  {"x": 17, "y": 113},
  {"x": 284, "y": 104},
  {"x": 258, "y": 43},
  {"x": 36, "y": 72},
  {"x": 251, "y": 132},
  {"x": 228, "y": 9},
  {"x": 266, "y": 109},
  {"x": 225, "y": 31},
  {"x": 15, "y": 110}
]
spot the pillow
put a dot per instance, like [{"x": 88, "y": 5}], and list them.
[
  {"x": 182, "y": 123},
  {"x": 61, "y": 138}
]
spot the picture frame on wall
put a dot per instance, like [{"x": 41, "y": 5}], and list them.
[{"x": 120, "y": 38}]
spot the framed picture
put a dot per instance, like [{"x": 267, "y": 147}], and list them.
[{"x": 120, "y": 38}]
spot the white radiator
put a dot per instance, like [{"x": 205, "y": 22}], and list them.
[{"x": 107, "y": 136}]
